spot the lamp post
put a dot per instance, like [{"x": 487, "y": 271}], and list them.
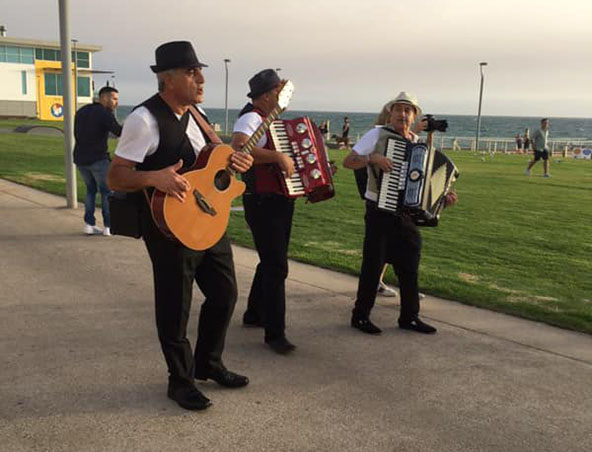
[
  {"x": 66, "y": 48},
  {"x": 226, "y": 61},
  {"x": 74, "y": 41},
  {"x": 483, "y": 63}
]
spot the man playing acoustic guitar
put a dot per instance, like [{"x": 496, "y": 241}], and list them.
[{"x": 159, "y": 138}]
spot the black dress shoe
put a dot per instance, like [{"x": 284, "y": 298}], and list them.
[
  {"x": 417, "y": 325},
  {"x": 365, "y": 325},
  {"x": 224, "y": 377},
  {"x": 281, "y": 345},
  {"x": 188, "y": 397}
]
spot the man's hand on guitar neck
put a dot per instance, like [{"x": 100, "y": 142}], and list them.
[
  {"x": 168, "y": 181},
  {"x": 240, "y": 161}
]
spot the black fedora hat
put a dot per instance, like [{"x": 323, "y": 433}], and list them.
[
  {"x": 174, "y": 54},
  {"x": 262, "y": 82}
]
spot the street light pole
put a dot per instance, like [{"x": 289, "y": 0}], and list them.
[
  {"x": 65, "y": 43},
  {"x": 483, "y": 63},
  {"x": 74, "y": 41},
  {"x": 226, "y": 61}
]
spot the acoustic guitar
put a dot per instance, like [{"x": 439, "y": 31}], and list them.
[{"x": 200, "y": 221}]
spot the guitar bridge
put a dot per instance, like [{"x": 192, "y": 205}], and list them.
[{"x": 203, "y": 204}]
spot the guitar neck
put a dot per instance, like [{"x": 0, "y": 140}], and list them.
[{"x": 263, "y": 127}]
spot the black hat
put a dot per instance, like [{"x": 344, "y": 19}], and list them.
[
  {"x": 262, "y": 82},
  {"x": 175, "y": 54}
]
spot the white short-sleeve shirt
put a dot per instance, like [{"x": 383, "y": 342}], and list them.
[
  {"x": 366, "y": 144},
  {"x": 247, "y": 124},
  {"x": 140, "y": 137}
]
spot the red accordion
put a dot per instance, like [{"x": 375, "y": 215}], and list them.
[{"x": 301, "y": 140}]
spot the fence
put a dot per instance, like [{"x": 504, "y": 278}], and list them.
[{"x": 558, "y": 146}]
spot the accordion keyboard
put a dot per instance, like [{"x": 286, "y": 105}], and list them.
[
  {"x": 283, "y": 144},
  {"x": 393, "y": 183}
]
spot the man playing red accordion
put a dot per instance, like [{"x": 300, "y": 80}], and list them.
[{"x": 268, "y": 213}]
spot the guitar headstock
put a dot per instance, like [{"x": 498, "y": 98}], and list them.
[{"x": 285, "y": 94}]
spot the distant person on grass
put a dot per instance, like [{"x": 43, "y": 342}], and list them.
[
  {"x": 526, "y": 140},
  {"x": 345, "y": 132},
  {"x": 92, "y": 125},
  {"x": 388, "y": 238},
  {"x": 541, "y": 148},
  {"x": 518, "y": 140}
]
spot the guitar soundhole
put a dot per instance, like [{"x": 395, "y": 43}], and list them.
[{"x": 222, "y": 180}]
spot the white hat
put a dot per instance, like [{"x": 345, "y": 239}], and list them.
[{"x": 405, "y": 98}]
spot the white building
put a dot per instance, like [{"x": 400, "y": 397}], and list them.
[{"x": 31, "y": 78}]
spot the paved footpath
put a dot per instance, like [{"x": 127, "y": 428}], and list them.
[{"x": 82, "y": 368}]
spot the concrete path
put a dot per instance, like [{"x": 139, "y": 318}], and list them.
[{"x": 82, "y": 368}]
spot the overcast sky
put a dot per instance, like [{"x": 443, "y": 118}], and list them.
[{"x": 346, "y": 55}]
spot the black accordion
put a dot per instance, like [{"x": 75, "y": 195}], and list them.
[{"x": 418, "y": 182}]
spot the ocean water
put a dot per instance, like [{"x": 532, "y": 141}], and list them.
[{"x": 458, "y": 125}]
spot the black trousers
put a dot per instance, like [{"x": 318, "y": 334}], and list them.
[
  {"x": 392, "y": 239},
  {"x": 270, "y": 219},
  {"x": 175, "y": 267}
]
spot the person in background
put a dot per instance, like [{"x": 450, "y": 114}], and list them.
[
  {"x": 526, "y": 140},
  {"x": 388, "y": 238},
  {"x": 324, "y": 129},
  {"x": 518, "y": 140},
  {"x": 92, "y": 125},
  {"x": 159, "y": 138},
  {"x": 541, "y": 148},
  {"x": 345, "y": 132}
]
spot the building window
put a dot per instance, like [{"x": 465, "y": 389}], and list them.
[
  {"x": 13, "y": 54},
  {"x": 53, "y": 84},
  {"x": 83, "y": 87},
  {"x": 27, "y": 55},
  {"x": 83, "y": 59},
  {"x": 24, "y": 81},
  {"x": 50, "y": 54}
]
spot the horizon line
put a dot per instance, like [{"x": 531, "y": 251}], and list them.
[{"x": 374, "y": 113}]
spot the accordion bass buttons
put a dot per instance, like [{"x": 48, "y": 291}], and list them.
[
  {"x": 306, "y": 143},
  {"x": 315, "y": 174},
  {"x": 311, "y": 158},
  {"x": 301, "y": 128}
]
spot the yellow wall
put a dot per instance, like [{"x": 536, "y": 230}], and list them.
[{"x": 49, "y": 108}]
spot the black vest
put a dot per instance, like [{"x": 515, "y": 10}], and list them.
[
  {"x": 249, "y": 177},
  {"x": 173, "y": 143}
]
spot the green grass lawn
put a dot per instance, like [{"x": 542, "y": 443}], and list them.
[
  {"x": 514, "y": 244},
  {"x": 12, "y": 123}
]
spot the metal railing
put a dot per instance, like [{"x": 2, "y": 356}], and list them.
[{"x": 508, "y": 145}]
